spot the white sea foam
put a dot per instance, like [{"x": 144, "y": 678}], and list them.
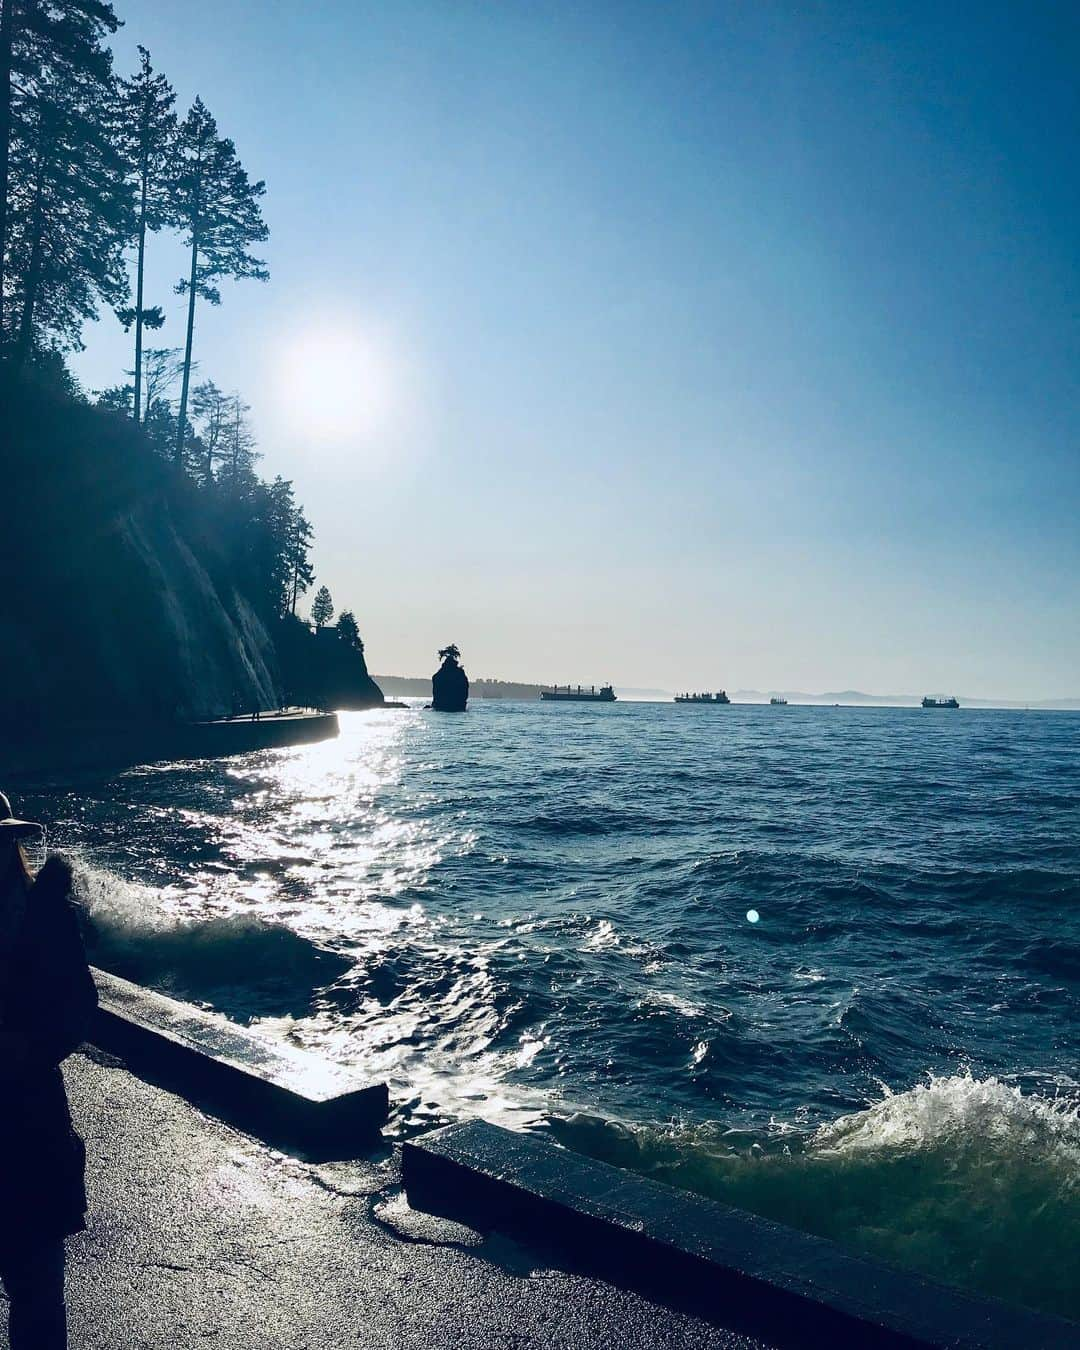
[
  {"x": 132, "y": 930},
  {"x": 968, "y": 1180},
  {"x": 957, "y": 1110}
]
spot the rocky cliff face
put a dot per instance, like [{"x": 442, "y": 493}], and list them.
[
  {"x": 165, "y": 638},
  {"x": 107, "y": 609},
  {"x": 322, "y": 670}
]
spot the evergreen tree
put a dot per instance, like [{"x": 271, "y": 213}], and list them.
[
  {"x": 270, "y": 540},
  {"x": 238, "y": 462},
  {"x": 66, "y": 207},
  {"x": 322, "y": 607},
  {"x": 159, "y": 424},
  {"x": 348, "y": 630},
  {"x": 117, "y": 398},
  {"x": 301, "y": 572},
  {"x": 218, "y": 206},
  {"x": 7, "y": 66},
  {"x": 211, "y": 409},
  {"x": 149, "y": 128}
]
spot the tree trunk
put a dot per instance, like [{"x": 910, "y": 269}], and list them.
[
  {"x": 182, "y": 420},
  {"x": 139, "y": 291},
  {"x": 7, "y": 37}
]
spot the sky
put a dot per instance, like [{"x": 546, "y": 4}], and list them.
[{"x": 674, "y": 344}]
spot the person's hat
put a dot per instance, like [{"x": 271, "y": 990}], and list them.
[{"x": 9, "y": 825}]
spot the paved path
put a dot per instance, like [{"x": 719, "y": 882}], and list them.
[{"x": 202, "y": 1237}]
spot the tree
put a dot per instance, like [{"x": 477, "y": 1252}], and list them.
[
  {"x": 218, "y": 206},
  {"x": 210, "y": 409},
  {"x": 270, "y": 539},
  {"x": 348, "y": 631},
  {"x": 302, "y": 572},
  {"x": 237, "y": 472},
  {"x": 7, "y": 60},
  {"x": 322, "y": 607},
  {"x": 149, "y": 129},
  {"x": 161, "y": 370},
  {"x": 159, "y": 424},
  {"x": 66, "y": 206},
  {"x": 117, "y": 398},
  {"x": 451, "y": 653}
]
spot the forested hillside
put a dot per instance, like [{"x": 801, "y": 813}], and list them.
[{"x": 149, "y": 571}]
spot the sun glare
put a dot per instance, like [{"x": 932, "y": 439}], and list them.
[{"x": 338, "y": 384}]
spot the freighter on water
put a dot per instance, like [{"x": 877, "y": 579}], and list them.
[
  {"x": 564, "y": 693},
  {"x": 721, "y": 697}
]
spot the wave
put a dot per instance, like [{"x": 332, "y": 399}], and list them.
[
  {"x": 242, "y": 965},
  {"x": 968, "y": 1181},
  {"x": 596, "y": 820}
]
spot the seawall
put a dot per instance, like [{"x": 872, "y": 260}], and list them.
[
  {"x": 73, "y": 746},
  {"x": 725, "y": 1269}
]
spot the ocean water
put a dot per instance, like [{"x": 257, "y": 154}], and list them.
[{"x": 545, "y": 915}]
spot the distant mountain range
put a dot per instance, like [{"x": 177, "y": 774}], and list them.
[
  {"x": 419, "y": 686},
  {"x": 856, "y": 698}
]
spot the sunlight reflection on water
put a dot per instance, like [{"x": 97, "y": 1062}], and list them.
[{"x": 530, "y": 907}]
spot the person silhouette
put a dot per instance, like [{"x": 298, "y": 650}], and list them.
[{"x": 47, "y": 997}]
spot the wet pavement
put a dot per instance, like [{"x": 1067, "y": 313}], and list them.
[{"x": 199, "y": 1235}]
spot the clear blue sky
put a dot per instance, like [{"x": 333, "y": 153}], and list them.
[{"x": 675, "y": 344}]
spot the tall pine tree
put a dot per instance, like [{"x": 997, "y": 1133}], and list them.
[
  {"x": 218, "y": 206},
  {"x": 148, "y": 126},
  {"x": 66, "y": 206}
]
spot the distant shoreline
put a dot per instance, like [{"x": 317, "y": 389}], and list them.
[{"x": 419, "y": 686}]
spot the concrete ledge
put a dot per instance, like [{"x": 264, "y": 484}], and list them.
[
  {"x": 236, "y": 736},
  {"x": 275, "y": 1092},
  {"x": 60, "y": 747},
  {"x": 770, "y": 1280}
]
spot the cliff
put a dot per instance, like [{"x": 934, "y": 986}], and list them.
[
  {"x": 114, "y": 603},
  {"x": 321, "y": 669}
]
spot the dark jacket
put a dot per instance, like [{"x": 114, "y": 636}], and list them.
[{"x": 49, "y": 999}]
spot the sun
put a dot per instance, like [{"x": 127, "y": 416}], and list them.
[{"x": 337, "y": 384}]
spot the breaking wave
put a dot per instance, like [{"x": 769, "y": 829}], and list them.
[
  {"x": 238, "y": 963},
  {"x": 966, "y": 1180},
  {"x": 536, "y": 908}
]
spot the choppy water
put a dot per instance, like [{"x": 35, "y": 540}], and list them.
[{"x": 539, "y": 914}]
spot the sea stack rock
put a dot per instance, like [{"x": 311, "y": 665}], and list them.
[{"x": 450, "y": 684}]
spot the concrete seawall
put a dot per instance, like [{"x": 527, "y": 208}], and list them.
[
  {"x": 760, "y": 1276},
  {"x": 754, "y": 1281},
  {"x": 75, "y": 746},
  {"x": 274, "y": 1091}
]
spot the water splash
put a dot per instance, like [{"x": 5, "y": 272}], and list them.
[
  {"x": 239, "y": 963},
  {"x": 540, "y": 910},
  {"x": 966, "y": 1180}
]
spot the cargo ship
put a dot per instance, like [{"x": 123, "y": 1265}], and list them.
[
  {"x": 565, "y": 693},
  {"x": 721, "y": 697},
  {"x": 929, "y": 702},
  {"x": 778, "y": 701}
]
